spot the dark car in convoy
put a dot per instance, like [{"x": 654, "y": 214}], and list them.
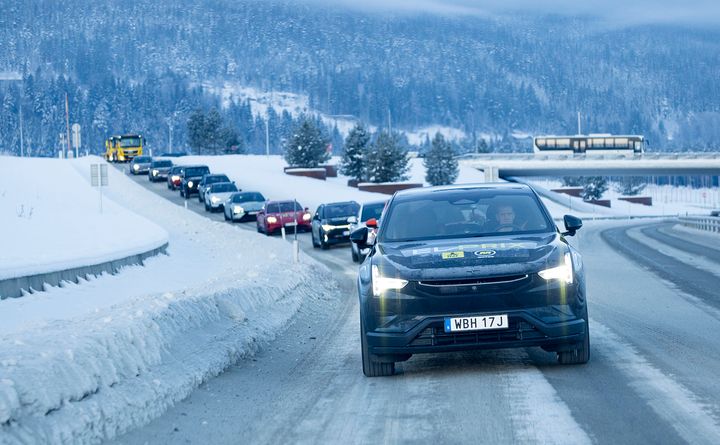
[
  {"x": 174, "y": 178},
  {"x": 470, "y": 267},
  {"x": 330, "y": 223},
  {"x": 191, "y": 176},
  {"x": 140, "y": 165},
  {"x": 368, "y": 210},
  {"x": 242, "y": 205},
  {"x": 207, "y": 181},
  {"x": 159, "y": 170},
  {"x": 275, "y": 215}
]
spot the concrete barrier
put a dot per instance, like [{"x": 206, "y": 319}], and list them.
[
  {"x": 387, "y": 188},
  {"x": 317, "y": 173},
  {"x": 14, "y": 287}
]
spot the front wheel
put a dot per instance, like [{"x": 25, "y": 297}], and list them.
[
  {"x": 372, "y": 368},
  {"x": 355, "y": 256},
  {"x": 579, "y": 356}
]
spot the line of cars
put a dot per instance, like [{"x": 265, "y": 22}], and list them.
[
  {"x": 330, "y": 224},
  {"x": 451, "y": 268}
]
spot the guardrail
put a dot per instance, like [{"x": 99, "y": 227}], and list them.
[
  {"x": 591, "y": 157},
  {"x": 14, "y": 287},
  {"x": 707, "y": 223}
]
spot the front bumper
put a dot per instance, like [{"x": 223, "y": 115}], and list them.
[
  {"x": 540, "y": 313},
  {"x": 336, "y": 236},
  {"x": 524, "y": 330}
]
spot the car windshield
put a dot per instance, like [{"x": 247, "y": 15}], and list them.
[
  {"x": 143, "y": 159},
  {"x": 130, "y": 142},
  {"x": 372, "y": 211},
  {"x": 248, "y": 197},
  {"x": 196, "y": 171},
  {"x": 464, "y": 213},
  {"x": 162, "y": 164},
  {"x": 281, "y": 207},
  {"x": 223, "y": 188},
  {"x": 340, "y": 210},
  {"x": 216, "y": 178}
]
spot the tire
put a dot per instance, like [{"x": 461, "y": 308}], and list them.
[
  {"x": 372, "y": 368},
  {"x": 207, "y": 207},
  {"x": 182, "y": 193},
  {"x": 579, "y": 356},
  {"x": 258, "y": 228},
  {"x": 355, "y": 256},
  {"x": 225, "y": 215},
  {"x": 314, "y": 243}
]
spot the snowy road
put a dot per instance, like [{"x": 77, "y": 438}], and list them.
[{"x": 652, "y": 378}]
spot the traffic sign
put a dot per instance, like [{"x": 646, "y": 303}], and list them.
[{"x": 76, "y": 142}]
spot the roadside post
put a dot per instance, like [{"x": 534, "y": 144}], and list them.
[
  {"x": 99, "y": 178},
  {"x": 296, "y": 243},
  {"x": 76, "y": 142}
]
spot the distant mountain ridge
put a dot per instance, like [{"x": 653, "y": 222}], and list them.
[{"x": 479, "y": 75}]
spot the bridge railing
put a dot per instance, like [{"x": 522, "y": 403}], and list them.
[
  {"x": 591, "y": 157},
  {"x": 708, "y": 223}
]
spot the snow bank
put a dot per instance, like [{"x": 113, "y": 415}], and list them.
[
  {"x": 51, "y": 220},
  {"x": 89, "y": 361}
]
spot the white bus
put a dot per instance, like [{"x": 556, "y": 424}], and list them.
[{"x": 589, "y": 144}]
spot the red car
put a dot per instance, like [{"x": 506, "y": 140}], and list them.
[{"x": 276, "y": 214}]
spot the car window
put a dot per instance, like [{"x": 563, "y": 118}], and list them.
[
  {"x": 372, "y": 211},
  {"x": 162, "y": 164},
  {"x": 223, "y": 188},
  {"x": 213, "y": 179},
  {"x": 248, "y": 197},
  {"x": 340, "y": 210},
  {"x": 287, "y": 206},
  {"x": 464, "y": 213},
  {"x": 196, "y": 171}
]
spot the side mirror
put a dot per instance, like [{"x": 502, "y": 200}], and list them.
[
  {"x": 352, "y": 220},
  {"x": 359, "y": 237},
  {"x": 372, "y": 222},
  {"x": 572, "y": 224}
]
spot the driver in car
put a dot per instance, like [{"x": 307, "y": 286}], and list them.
[{"x": 504, "y": 219}]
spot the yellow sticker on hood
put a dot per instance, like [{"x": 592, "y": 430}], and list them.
[{"x": 451, "y": 255}]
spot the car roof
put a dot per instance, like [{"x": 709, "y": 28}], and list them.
[
  {"x": 215, "y": 184},
  {"x": 372, "y": 203},
  {"x": 339, "y": 203},
  {"x": 420, "y": 191}
]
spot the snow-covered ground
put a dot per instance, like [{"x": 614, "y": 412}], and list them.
[
  {"x": 51, "y": 220},
  {"x": 89, "y": 361}
]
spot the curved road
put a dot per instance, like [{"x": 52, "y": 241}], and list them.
[{"x": 652, "y": 378}]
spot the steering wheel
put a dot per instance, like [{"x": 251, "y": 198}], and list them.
[{"x": 462, "y": 228}]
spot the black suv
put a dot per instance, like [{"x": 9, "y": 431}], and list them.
[
  {"x": 330, "y": 223},
  {"x": 470, "y": 267},
  {"x": 191, "y": 176},
  {"x": 207, "y": 181}
]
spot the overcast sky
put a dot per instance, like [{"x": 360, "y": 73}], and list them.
[{"x": 624, "y": 12}]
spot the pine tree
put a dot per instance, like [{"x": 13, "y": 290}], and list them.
[
  {"x": 307, "y": 147},
  {"x": 440, "y": 162},
  {"x": 594, "y": 188},
  {"x": 353, "y": 159},
  {"x": 196, "y": 131},
  {"x": 387, "y": 160},
  {"x": 631, "y": 185}
]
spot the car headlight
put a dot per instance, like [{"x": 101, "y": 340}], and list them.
[
  {"x": 214, "y": 199},
  {"x": 190, "y": 183},
  {"x": 380, "y": 284},
  {"x": 238, "y": 209},
  {"x": 175, "y": 178},
  {"x": 306, "y": 217},
  {"x": 136, "y": 167},
  {"x": 271, "y": 219},
  {"x": 327, "y": 227},
  {"x": 563, "y": 272},
  {"x": 155, "y": 172}
]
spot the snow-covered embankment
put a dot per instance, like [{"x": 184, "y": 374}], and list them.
[{"x": 86, "y": 362}]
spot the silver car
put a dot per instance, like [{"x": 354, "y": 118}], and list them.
[
  {"x": 367, "y": 211},
  {"x": 243, "y": 205},
  {"x": 140, "y": 165},
  {"x": 216, "y": 195}
]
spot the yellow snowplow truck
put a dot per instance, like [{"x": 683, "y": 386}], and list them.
[{"x": 123, "y": 148}]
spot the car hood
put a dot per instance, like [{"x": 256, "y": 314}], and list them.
[
  {"x": 462, "y": 257},
  {"x": 339, "y": 221},
  {"x": 250, "y": 206}
]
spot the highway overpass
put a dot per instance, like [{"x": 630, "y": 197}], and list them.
[{"x": 498, "y": 165}]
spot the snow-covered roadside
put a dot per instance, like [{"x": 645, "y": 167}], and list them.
[
  {"x": 51, "y": 220},
  {"x": 86, "y": 362}
]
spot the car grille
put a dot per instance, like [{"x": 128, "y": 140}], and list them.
[
  {"x": 435, "y": 335},
  {"x": 474, "y": 281}
]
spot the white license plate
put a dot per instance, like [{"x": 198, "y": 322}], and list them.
[
  {"x": 460, "y": 324},
  {"x": 346, "y": 233},
  {"x": 252, "y": 213},
  {"x": 291, "y": 224}
]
